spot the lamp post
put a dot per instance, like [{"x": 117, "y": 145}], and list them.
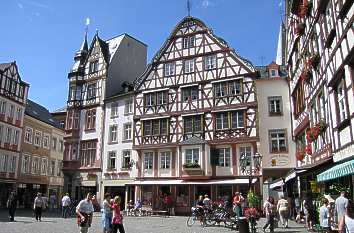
[{"x": 250, "y": 165}]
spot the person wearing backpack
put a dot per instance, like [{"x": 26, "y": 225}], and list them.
[{"x": 283, "y": 211}]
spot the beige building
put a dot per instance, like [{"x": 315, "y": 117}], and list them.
[{"x": 41, "y": 155}]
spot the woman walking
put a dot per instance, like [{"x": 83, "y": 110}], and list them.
[
  {"x": 38, "y": 206},
  {"x": 309, "y": 213},
  {"x": 117, "y": 220},
  {"x": 346, "y": 223},
  {"x": 107, "y": 214},
  {"x": 269, "y": 209},
  {"x": 283, "y": 210}
]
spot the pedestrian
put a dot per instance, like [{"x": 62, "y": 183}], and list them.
[
  {"x": 65, "y": 204},
  {"x": 341, "y": 205},
  {"x": 169, "y": 204},
  {"x": 309, "y": 212},
  {"x": 52, "y": 201},
  {"x": 38, "y": 206},
  {"x": 107, "y": 214},
  {"x": 207, "y": 201},
  {"x": 297, "y": 208},
  {"x": 324, "y": 216},
  {"x": 130, "y": 208},
  {"x": 346, "y": 223},
  {"x": 283, "y": 211},
  {"x": 117, "y": 220},
  {"x": 138, "y": 208},
  {"x": 269, "y": 210},
  {"x": 12, "y": 205},
  {"x": 84, "y": 211},
  {"x": 237, "y": 200}
]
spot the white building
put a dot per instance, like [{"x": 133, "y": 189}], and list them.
[{"x": 118, "y": 157}]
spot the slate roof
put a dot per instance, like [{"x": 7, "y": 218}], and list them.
[
  {"x": 193, "y": 141},
  {"x": 4, "y": 66},
  {"x": 264, "y": 73},
  {"x": 40, "y": 113},
  {"x": 60, "y": 110}
]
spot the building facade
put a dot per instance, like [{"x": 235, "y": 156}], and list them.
[
  {"x": 119, "y": 158},
  {"x": 275, "y": 133},
  {"x": 41, "y": 157},
  {"x": 320, "y": 65},
  {"x": 195, "y": 117},
  {"x": 97, "y": 73},
  {"x": 13, "y": 97}
]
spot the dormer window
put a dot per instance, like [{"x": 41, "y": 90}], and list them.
[
  {"x": 169, "y": 69},
  {"x": 188, "y": 42},
  {"x": 93, "y": 66},
  {"x": 274, "y": 73}
]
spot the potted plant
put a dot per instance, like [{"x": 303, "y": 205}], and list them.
[
  {"x": 300, "y": 155},
  {"x": 321, "y": 126},
  {"x": 191, "y": 165},
  {"x": 308, "y": 149}
]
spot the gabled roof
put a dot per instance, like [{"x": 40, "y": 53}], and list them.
[
  {"x": 40, "y": 113},
  {"x": 186, "y": 22},
  {"x": 4, "y": 66},
  {"x": 192, "y": 141},
  {"x": 264, "y": 71}
]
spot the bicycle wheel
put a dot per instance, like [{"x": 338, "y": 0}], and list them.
[
  {"x": 210, "y": 220},
  {"x": 191, "y": 220}
]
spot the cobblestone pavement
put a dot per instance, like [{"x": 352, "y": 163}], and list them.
[{"x": 52, "y": 223}]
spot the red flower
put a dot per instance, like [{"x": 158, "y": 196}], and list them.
[
  {"x": 300, "y": 155},
  {"x": 308, "y": 149},
  {"x": 252, "y": 213}
]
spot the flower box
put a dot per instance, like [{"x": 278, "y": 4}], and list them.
[
  {"x": 191, "y": 165},
  {"x": 300, "y": 155}
]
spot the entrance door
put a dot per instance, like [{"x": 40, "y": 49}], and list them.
[{"x": 202, "y": 190}]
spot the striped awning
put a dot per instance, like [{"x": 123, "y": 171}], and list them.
[{"x": 337, "y": 171}]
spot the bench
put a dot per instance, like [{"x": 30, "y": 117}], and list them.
[{"x": 158, "y": 213}]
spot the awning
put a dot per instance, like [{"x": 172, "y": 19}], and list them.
[
  {"x": 181, "y": 182},
  {"x": 88, "y": 183},
  {"x": 337, "y": 171},
  {"x": 277, "y": 184},
  {"x": 293, "y": 174},
  {"x": 118, "y": 182}
]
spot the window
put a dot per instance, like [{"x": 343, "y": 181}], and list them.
[
  {"x": 192, "y": 124},
  {"x": 60, "y": 166},
  {"x": 35, "y": 165},
  {"x": 277, "y": 140},
  {"x": 113, "y": 130},
  {"x": 246, "y": 151},
  {"x": 151, "y": 100},
  {"x": 12, "y": 163},
  {"x": 88, "y": 153},
  {"x": 165, "y": 160},
  {"x": 114, "y": 110},
  {"x": 192, "y": 156},
  {"x": 90, "y": 119},
  {"x": 12, "y": 111},
  {"x": 220, "y": 89},
  {"x": 169, "y": 69},
  {"x": 190, "y": 94},
  {"x": 29, "y": 135},
  {"x": 54, "y": 143},
  {"x": 76, "y": 119},
  {"x": 188, "y": 42},
  {"x": 112, "y": 160},
  {"x": 61, "y": 145},
  {"x": 235, "y": 87},
  {"x": 126, "y": 159},
  {"x": 37, "y": 138},
  {"x": 25, "y": 164},
  {"x": 342, "y": 102},
  {"x": 127, "y": 134},
  {"x": 46, "y": 141},
  {"x": 3, "y": 107},
  {"x": 18, "y": 114},
  {"x": 148, "y": 160},
  {"x": 275, "y": 105},
  {"x": 93, "y": 67},
  {"x": 189, "y": 66},
  {"x": 156, "y": 127},
  {"x": 273, "y": 73},
  {"x": 222, "y": 120},
  {"x": 322, "y": 106},
  {"x": 3, "y": 162},
  {"x": 91, "y": 91},
  {"x": 52, "y": 168},
  {"x": 1, "y": 133},
  {"x": 8, "y": 135},
  {"x": 210, "y": 62},
  {"x": 236, "y": 118},
  {"x": 161, "y": 98},
  {"x": 224, "y": 157},
  {"x": 299, "y": 99},
  {"x": 128, "y": 107},
  {"x": 44, "y": 166},
  {"x": 16, "y": 137}
]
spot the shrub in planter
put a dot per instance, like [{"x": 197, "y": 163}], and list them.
[{"x": 191, "y": 165}]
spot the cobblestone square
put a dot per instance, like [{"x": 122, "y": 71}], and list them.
[{"x": 52, "y": 223}]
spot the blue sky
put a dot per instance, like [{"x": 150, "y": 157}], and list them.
[{"x": 42, "y": 35}]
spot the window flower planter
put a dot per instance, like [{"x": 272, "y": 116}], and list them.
[
  {"x": 191, "y": 166},
  {"x": 314, "y": 61},
  {"x": 300, "y": 155}
]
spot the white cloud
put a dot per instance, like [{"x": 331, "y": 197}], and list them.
[
  {"x": 207, "y": 3},
  {"x": 37, "y": 4},
  {"x": 20, "y": 5}
]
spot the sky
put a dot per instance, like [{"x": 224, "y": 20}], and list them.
[{"x": 43, "y": 35}]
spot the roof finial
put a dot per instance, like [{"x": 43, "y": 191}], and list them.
[
  {"x": 87, "y": 24},
  {"x": 189, "y": 7},
  {"x": 96, "y": 31}
]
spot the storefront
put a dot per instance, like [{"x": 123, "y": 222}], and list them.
[
  {"x": 26, "y": 193},
  {"x": 5, "y": 189}
]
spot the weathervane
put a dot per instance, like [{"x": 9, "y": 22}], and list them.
[
  {"x": 86, "y": 27},
  {"x": 189, "y": 7}
]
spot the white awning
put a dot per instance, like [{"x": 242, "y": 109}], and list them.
[
  {"x": 88, "y": 183},
  {"x": 181, "y": 182},
  {"x": 277, "y": 184},
  {"x": 293, "y": 174}
]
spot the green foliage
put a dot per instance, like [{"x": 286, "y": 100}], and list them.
[
  {"x": 253, "y": 200},
  {"x": 191, "y": 165}
]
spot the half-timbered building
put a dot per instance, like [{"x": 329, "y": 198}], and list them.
[
  {"x": 320, "y": 65},
  {"x": 13, "y": 97},
  {"x": 96, "y": 74},
  {"x": 195, "y": 116}
]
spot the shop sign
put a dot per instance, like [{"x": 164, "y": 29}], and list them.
[
  {"x": 343, "y": 154},
  {"x": 314, "y": 188}
]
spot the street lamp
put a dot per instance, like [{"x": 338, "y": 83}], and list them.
[{"x": 250, "y": 165}]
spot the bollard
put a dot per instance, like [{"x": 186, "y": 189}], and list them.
[{"x": 243, "y": 225}]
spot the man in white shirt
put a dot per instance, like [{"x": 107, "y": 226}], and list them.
[
  {"x": 324, "y": 216},
  {"x": 65, "y": 203},
  {"x": 84, "y": 212},
  {"x": 341, "y": 205}
]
